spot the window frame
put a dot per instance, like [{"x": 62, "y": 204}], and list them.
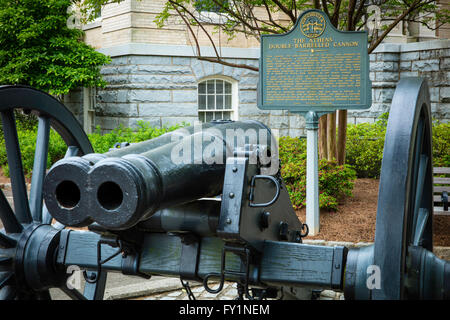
[
  {"x": 211, "y": 17},
  {"x": 234, "y": 97}
]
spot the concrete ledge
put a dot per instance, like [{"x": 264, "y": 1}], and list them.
[
  {"x": 177, "y": 51},
  {"x": 248, "y": 53},
  {"x": 413, "y": 46},
  {"x": 97, "y": 23}
]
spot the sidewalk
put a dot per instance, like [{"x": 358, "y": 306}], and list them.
[{"x": 121, "y": 287}]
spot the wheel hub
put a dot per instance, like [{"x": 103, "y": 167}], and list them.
[{"x": 28, "y": 262}]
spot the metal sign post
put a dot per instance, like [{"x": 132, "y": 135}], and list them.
[
  {"x": 314, "y": 69},
  {"x": 312, "y": 173}
]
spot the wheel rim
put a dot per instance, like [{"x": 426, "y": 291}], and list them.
[
  {"x": 404, "y": 213},
  {"x": 29, "y": 213}
]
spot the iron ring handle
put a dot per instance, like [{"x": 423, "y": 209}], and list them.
[
  {"x": 205, "y": 282},
  {"x": 252, "y": 187}
]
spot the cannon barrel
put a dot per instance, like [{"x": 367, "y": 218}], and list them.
[
  {"x": 199, "y": 217},
  {"x": 118, "y": 192}
]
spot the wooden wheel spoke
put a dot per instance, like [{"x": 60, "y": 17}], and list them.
[
  {"x": 6, "y": 242},
  {"x": 416, "y": 153},
  {"x": 6, "y": 278},
  {"x": 72, "y": 151},
  {"x": 420, "y": 183},
  {"x": 18, "y": 186},
  {"x": 8, "y": 293},
  {"x": 46, "y": 217},
  {"x": 7, "y": 216},
  {"x": 39, "y": 168},
  {"x": 6, "y": 264},
  {"x": 420, "y": 226}
]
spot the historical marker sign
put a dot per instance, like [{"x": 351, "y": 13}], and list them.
[{"x": 314, "y": 67}]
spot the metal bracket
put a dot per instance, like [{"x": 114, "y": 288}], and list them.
[
  {"x": 130, "y": 263},
  {"x": 62, "y": 249},
  {"x": 116, "y": 242},
  {"x": 252, "y": 189},
  {"x": 444, "y": 198},
  {"x": 245, "y": 254},
  {"x": 190, "y": 253},
  {"x": 337, "y": 273}
]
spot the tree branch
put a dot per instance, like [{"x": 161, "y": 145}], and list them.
[
  {"x": 285, "y": 10},
  {"x": 325, "y": 8},
  {"x": 241, "y": 19},
  {"x": 351, "y": 10},
  {"x": 189, "y": 27},
  {"x": 200, "y": 57},
  {"x": 359, "y": 12},
  {"x": 271, "y": 19},
  {"x": 230, "y": 64},
  {"x": 335, "y": 17},
  {"x": 413, "y": 7}
]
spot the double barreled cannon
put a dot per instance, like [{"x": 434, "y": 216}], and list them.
[{"x": 124, "y": 186}]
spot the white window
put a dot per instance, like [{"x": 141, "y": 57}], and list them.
[
  {"x": 210, "y": 12},
  {"x": 217, "y": 100},
  {"x": 209, "y": 6}
]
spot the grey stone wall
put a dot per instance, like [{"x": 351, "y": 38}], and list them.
[
  {"x": 74, "y": 101},
  {"x": 163, "y": 89},
  {"x": 392, "y": 62}
]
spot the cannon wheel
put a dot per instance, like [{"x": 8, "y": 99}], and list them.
[
  {"x": 405, "y": 200},
  {"x": 29, "y": 212}
]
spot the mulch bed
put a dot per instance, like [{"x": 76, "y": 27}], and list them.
[{"x": 355, "y": 219}]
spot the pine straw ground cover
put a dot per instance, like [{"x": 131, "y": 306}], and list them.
[{"x": 355, "y": 219}]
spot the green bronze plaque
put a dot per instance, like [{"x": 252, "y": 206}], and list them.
[{"x": 314, "y": 67}]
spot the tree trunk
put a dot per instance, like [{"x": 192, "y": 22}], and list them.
[
  {"x": 323, "y": 154},
  {"x": 342, "y": 136},
  {"x": 331, "y": 135}
]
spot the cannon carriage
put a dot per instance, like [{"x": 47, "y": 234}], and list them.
[{"x": 225, "y": 217}]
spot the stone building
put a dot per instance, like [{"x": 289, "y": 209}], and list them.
[{"x": 155, "y": 75}]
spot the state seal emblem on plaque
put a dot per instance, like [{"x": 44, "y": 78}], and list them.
[{"x": 312, "y": 24}]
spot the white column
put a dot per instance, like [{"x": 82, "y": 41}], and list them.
[{"x": 312, "y": 174}]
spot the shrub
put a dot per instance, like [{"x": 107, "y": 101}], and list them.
[
  {"x": 441, "y": 144},
  {"x": 27, "y": 133},
  {"x": 102, "y": 143},
  {"x": 365, "y": 143},
  {"x": 335, "y": 182},
  {"x": 364, "y": 149}
]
